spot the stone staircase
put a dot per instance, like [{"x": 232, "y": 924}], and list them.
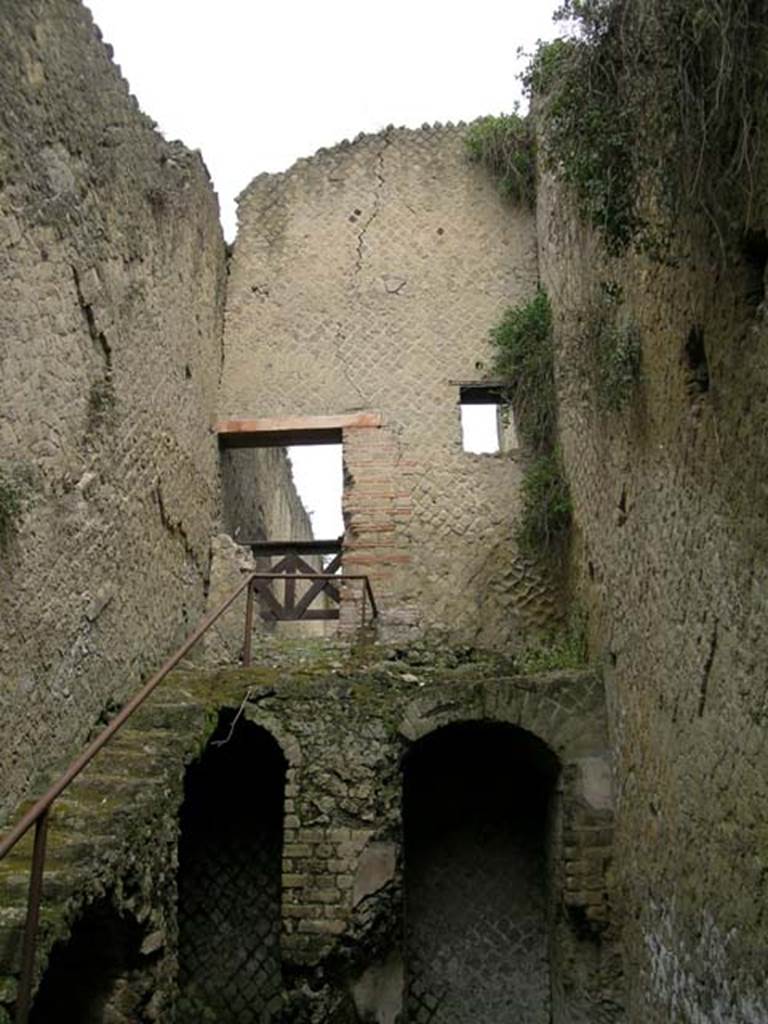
[
  {"x": 117, "y": 820},
  {"x": 114, "y": 831}
]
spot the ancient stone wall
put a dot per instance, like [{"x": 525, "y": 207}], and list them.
[
  {"x": 345, "y": 723},
  {"x": 111, "y": 273},
  {"x": 259, "y": 496},
  {"x": 669, "y": 499},
  {"x": 346, "y": 929},
  {"x": 367, "y": 278}
]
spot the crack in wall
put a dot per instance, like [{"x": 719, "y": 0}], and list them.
[
  {"x": 175, "y": 528},
  {"x": 708, "y": 669},
  {"x": 380, "y": 182},
  {"x": 98, "y": 337}
]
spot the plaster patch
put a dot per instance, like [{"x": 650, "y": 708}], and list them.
[
  {"x": 375, "y": 868},
  {"x": 378, "y": 993},
  {"x": 596, "y": 787}
]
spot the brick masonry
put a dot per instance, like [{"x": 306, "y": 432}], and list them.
[{"x": 343, "y": 722}]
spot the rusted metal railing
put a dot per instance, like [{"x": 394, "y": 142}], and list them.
[{"x": 38, "y": 814}]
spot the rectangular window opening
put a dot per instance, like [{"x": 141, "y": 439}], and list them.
[{"x": 487, "y": 423}]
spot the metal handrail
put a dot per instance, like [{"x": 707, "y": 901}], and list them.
[{"x": 38, "y": 814}]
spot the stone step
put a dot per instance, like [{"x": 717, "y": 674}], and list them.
[
  {"x": 8, "y": 989},
  {"x": 68, "y": 853},
  {"x": 117, "y": 804},
  {"x": 15, "y": 885},
  {"x": 172, "y": 716},
  {"x": 160, "y": 742}
]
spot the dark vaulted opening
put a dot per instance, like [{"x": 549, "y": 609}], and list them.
[
  {"x": 229, "y": 878},
  {"x": 476, "y": 807}
]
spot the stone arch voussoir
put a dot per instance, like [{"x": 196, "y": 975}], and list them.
[
  {"x": 567, "y": 715},
  {"x": 285, "y": 740}
]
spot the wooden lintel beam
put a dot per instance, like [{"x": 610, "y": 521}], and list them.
[{"x": 286, "y": 430}]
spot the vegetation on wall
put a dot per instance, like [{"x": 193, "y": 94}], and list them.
[
  {"x": 545, "y": 515},
  {"x": 11, "y": 505},
  {"x": 566, "y": 648},
  {"x": 616, "y": 348},
  {"x": 523, "y": 358},
  {"x": 506, "y": 146},
  {"x": 651, "y": 112}
]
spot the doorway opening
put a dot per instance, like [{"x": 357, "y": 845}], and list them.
[
  {"x": 230, "y": 853},
  {"x": 319, "y": 478},
  {"x": 257, "y": 486},
  {"x": 475, "y": 814},
  {"x": 285, "y": 505}
]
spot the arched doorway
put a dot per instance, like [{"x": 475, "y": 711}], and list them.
[
  {"x": 476, "y": 808},
  {"x": 229, "y": 878}
]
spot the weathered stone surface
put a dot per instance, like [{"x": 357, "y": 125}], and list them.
[
  {"x": 366, "y": 279},
  {"x": 112, "y": 269},
  {"x": 375, "y": 868},
  {"x": 669, "y": 499},
  {"x": 259, "y": 496},
  {"x": 335, "y": 715}
]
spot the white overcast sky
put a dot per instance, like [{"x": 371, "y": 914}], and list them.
[{"x": 256, "y": 85}]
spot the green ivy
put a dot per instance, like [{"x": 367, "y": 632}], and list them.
[
  {"x": 651, "y": 111},
  {"x": 523, "y": 358},
  {"x": 506, "y": 146},
  {"x": 523, "y": 361}
]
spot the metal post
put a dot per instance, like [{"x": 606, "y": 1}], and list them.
[
  {"x": 248, "y": 626},
  {"x": 24, "y": 998}
]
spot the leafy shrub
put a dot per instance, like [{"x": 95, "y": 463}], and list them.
[
  {"x": 507, "y": 147},
  {"x": 523, "y": 358},
  {"x": 545, "y": 517},
  {"x": 651, "y": 111},
  {"x": 587, "y": 137}
]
